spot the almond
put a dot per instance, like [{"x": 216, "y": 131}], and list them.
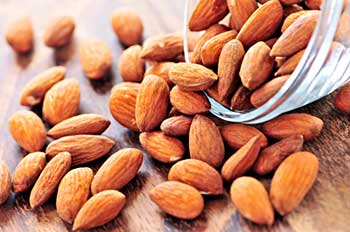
[
  {"x": 314, "y": 4},
  {"x": 198, "y": 174},
  {"x": 89, "y": 124},
  {"x": 95, "y": 59},
  {"x": 20, "y": 35},
  {"x": 237, "y": 135},
  {"x": 127, "y": 25},
  {"x": 34, "y": 91},
  {"x": 192, "y": 77},
  {"x": 49, "y": 179},
  {"x": 73, "y": 192},
  {"x": 5, "y": 182},
  {"x": 59, "y": 32},
  {"x": 161, "y": 147},
  {"x": 271, "y": 42},
  {"x": 240, "y": 11},
  {"x": 292, "y": 18},
  {"x": 99, "y": 209},
  {"x": 342, "y": 99},
  {"x": 214, "y": 93},
  {"x": 118, "y": 170},
  {"x": 257, "y": 66},
  {"x": 292, "y": 181},
  {"x": 61, "y": 101},
  {"x": 293, "y": 124},
  {"x": 28, "y": 130},
  {"x": 343, "y": 29},
  {"x": 174, "y": 112},
  {"x": 122, "y": 104},
  {"x": 241, "y": 99},
  {"x": 212, "y": 11},
  {"x": 83, "y": 148},
  {"x": 290, "y": 2},
  {"x": 27, "y": 171},
  {"x": 252, "y": 200},
  {"x": 131, "y": 66},
  {"x": 290, "y": 64},
  {"x": 151, "y": 103},
  {"x": 178, "y": 199},
  {"x": 161, "y": 69},
  {"x": 176, "y": 125},
  {"x": 262, "y": 23},
  {"x": 288, "y": 10},
  {"x": 205, "y": 141}
]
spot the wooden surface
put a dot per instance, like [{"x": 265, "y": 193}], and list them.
[{"x": 326, "y": 207}]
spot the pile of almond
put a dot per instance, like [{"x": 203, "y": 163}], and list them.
[{"x": 165, "y": 103}]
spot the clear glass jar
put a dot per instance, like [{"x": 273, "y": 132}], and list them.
[{"x": 323, "y": 68}]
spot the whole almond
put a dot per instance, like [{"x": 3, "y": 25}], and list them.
[
  {"x": 240, "y": 11},
  {"x": 161, "y": 147},
  {"x": 5, "y": 182},
  {"x": 151, "y": 103},
  {"x": 27, "y": 171},
  {"x": 20, "y": 36},
  {"x": 293, "y": 124},
  {"x": 212, "y": 11},
  {"x": 198, "y": 174},
  {"x": 292, "y": 181},
  {"x": 290, "y": 64},
  {"x": 314, "y": 4},
  {"x": 118, "y": 170},
  {"x": 161, "y": 69},
  {"x": 237, "y": 135},
  {"x": 83, "y": 148},
  {"x": 257, "y": 66},
  {"x": 88, "y": 124},
  {"x": 342, "y": 99},
  {"x": 178, "y": 199},
  {"x": 131, "y": 66},
  {"x": 205, "y": 141},
  {"x": 99, "y": 209},
  {"x": 242, "y": 160},
  {"x": 95, "y": 59},
  {"x": 61, "y": 101},
  {"x": 73, "y": 192},
  {"x": 241, "y": 99},
  {"x": 176, "y": 125},
  {"x": 262, "y": 23},
  {"x": 292, "y": 18},
  {"x": 34, "y": 91},
  {"x": 252, "y": 200},
  {"x": 49, "y": 179},
  {"x": 59, "y": 32},
  {"x": 28, "y": 130}
]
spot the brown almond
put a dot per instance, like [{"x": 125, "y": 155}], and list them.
[
  {"x": 174, "y": 112},
  {"x": 73, "y": 192},
  {"x": 5, "y": 182},
  {"x": 59, "y": 32},
  {"x": 292, "y": 181},
  {"x": 28, "y": 130},
  {"x": 118, "y": 170},
  {"x": 49, "y": 179},
  {"x": 131, "y": 66},
  {"x": 178, "y": 199},
  {"x": 99, "y": 209},
  {"x": 176, "y": 126},
  {"x": 20, "y": 35},
  {"x": 88, "y": 124},
  {"x": 290, "y": 64},
  {"x": 271, "y": 42},
  {"x": 342, "y": 99},
  {"x": 290, "y": 2},
  {"x": 293, "y": 124},
  {"x": 291, "y": 9},
  {"x": 161, "y": 147},
  {"x": 27, "y": 171},
  {"x": 314, "y": 4},
  {"x": 198, "y": 174},
  {"x": 241, "y": 99},
  {"x": 240, "y": 11},
  {"x": 61, "y": 101},
  {"x": 292, "y": 18},
  {"x": 214, "y": 93},
  {"x": 161, "y": 69},
  {"x": 83, "y": 148}
]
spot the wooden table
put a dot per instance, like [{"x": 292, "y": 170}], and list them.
[{"x": 326, "y": 207}]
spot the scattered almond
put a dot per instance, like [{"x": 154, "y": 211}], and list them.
[
  {"x": 131, "y": 66},
  {"x": 5, "y": 182},
  {"x": 20, "y": 35},
  {"x": 59, "y": 32},
  {"x": 176, "y": 125},
  {"x": 342, "y": 99}
]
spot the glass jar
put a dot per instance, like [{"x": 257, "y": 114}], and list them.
[{"x": 322, "y": 69}]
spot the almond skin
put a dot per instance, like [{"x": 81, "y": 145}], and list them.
[
  {"x": 314, "y": 4},
  {"x": 131, "y": 66},
  {"x": 151, "y": 103},
  {"x": 20, "y": 35},
  {"x": 240, "y": 11},
  {"x": 88, "y": 124},
  {"x": 292, "y": 18},
  {"x": 161, "y": 147},
  {"x": 118, "y": 170},
  {"x": 198, "y": 174},
  {"x": 99, "y": 209},
  {"x": 290, "y": 64},
  {"x": 192, "y": 77},
  {"x": 161, "y": 69},
  {"x": 5, "y": 182},
  {"x": 34, "y": 91},
  {"x": 292, "y": 181},
  {"x": 59, "y": 32},
  {"x": 293, "y": 124},
  {"x": 176, "y": 126},
  {"x": 61, "y": 101},
  {"x": 262, "y": 23},
  {"x": 27, "y": 171},
  {"x": 127, "y": 26},
  {"x": 49, "y": 179},
  {"x": 342, "y": 99},
  {"x": 252, "y": 200},
  {"x": 28, "y": 130},
  {"x": 205, "y": 141},
  {"x": 288, "y": 10},
  {"x": 237, "y": 135},
  {"x": 178, "y": 199},
  {"x": 122, "y": 104},
  {"x": 83, "y": 148},
  {"x": 73, "y": 192},
  {"x": 241, "y": 99}
]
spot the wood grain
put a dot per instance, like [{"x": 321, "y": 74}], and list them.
[{"x": 326, "y": 207}]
